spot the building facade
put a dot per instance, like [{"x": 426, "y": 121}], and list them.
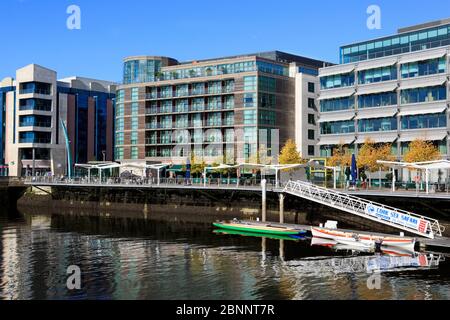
[
  {"x": 221, "y": 109},
  {"x": 47, "y": 120},
  {"x": 392, "y": 90}
]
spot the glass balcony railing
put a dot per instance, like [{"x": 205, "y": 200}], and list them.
[
  {"x": 35, "y": 107},
  {"x": 35, "y": 140}
]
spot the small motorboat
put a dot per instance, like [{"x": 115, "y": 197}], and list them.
[
  {"x": 239, "y": 226},
  {"x": 259, "y": 235},
  {"x": 364, "y": 240}
]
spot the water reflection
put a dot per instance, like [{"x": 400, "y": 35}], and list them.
[{"x": 139, "y": 258}]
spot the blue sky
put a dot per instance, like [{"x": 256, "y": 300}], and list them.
[{"x": 34, "y": 31}]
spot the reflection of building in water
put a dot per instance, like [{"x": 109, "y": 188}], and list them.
[{"x": 10, "y": 261}]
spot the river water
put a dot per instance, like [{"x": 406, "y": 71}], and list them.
[{"x": 135, "y": 258}]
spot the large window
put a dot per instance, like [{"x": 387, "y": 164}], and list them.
[
  {"x": 119, "y": 153},
  {"x": 214, "y": 119},
  {"x": 423, "y": 68},
  {"x": 380, "y": 124},
  {"x": 181, "y": 121},
  {"x": 214, "y": 87},
  {"x": 267, "y": 117},
  {"x": 424, "y": 121},
  {"x": 182, "y": 90},
  {"x": 427, "y": 94},
  {"x": 134, "y": 109},
  {"x": 377, "y": 100},
  {"x": 377, "y": 75},
  {"x": 134, "y": 94},
  {"x": 214, "y": 103},
  {"x": 311, "y": 135},
  {"x": 166, "y": 122},
  {"x": 134, "y": 153},
  {"x": 337, "y": 104},
  {"x": 134, "y": 137},
  {"x": 120, "y": 124},
  {"x": 35, "y": 104},
  {"x": 166, "y": 106},
  {"x": 134, "y": 123},
  {"x": 228, "y": 102},
  {"x": 198, "y": 88},
  {"x": 182, "y": 105},
  {"x": 198, "y": 104},
  {"x": 250, "y": 83},
  {"x": 249, "y": 116},
  {"x": 267, "y": 84},
  {"x": 120, "y": 138},
  {"x": 337, "y": 81},
  {"x": 250, "y": 100},
  {"x": 311, "y": 87},
  {"x": 337, "y": 127}
]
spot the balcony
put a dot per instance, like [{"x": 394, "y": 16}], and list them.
[
  {"x": 36, "y": 124},
  {"x": 35, "y": 140}
]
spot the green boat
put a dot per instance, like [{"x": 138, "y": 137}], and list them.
[
  {"x": 256, "y": 228},
  {"x": 257, "y": 235}
]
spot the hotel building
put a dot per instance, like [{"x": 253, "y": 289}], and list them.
[
  {"x": 393, "y": 89},
  {"x": 224, "y": 108},
  {"x": 38, "y": 110}
]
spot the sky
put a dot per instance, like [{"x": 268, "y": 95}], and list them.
[{"x": 35, "y": 31}]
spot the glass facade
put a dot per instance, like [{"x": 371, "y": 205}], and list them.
[
  {"x": 337, "y": 127},
  {"x": 424, "y": 121},
  {"x": 401, "y": 43},
  {"x": 337, "y": 104},
  {"x": 426, "y": 94},
  {"x": 337, "y": 81},
  {"x": 377, "y": 100},
  {"x": 140, "y": 71},
  {"x": 380, "y": 124}
]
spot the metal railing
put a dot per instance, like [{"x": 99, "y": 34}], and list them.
[{"x": 363, "y": 208}]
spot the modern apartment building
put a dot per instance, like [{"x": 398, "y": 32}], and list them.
[
  {"x": 45, "y": 120},
  {"x": 218, "y": 109},
  {"x": 393, "y": 89}
]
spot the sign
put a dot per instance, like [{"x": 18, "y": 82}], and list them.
[{"x": 403, "y": 219}]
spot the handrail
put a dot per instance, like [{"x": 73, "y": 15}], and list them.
[{"x": 359, "y": 206}]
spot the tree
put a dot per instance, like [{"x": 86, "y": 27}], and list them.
[
  {"x": 341, "y": 157},
  {"x": 261, "y": 157},
  {"x": 197, "y": 166},
  {"x": 370, "y": 153},
  {"x": 420, "y": 151},
  {"x": 289, "y": 154}
]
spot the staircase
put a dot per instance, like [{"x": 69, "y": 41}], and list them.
[{"x": 394, "y": 217}]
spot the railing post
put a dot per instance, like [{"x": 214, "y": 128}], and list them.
[{"x": 264, "y": 200}]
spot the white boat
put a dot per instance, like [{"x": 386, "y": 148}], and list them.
[{"x": 363, "y": 240}]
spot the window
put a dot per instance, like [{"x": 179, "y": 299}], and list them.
[
  {"x": 214, "y": 87},
  {"x": 249, "y": 83},
  {"x": 119, "y": 138},
  {"x": 423, "y": 68},
  {"x": 120, "y": 96},
  {"x": 119, "y": 153},
  {"x": 120, "y": 124},
  {"x": 311, "y": 150},
  {"x": 337, "y": 81},
  {"x": 337, "y": 127},
  {"x": 250, "y": 100},
  {"x": 182, "y": 90},
  {"x": 120, "y": 111},
  {"x": 267, "y": 117},
  {"x": 424, "y": 121},
  {"x": 134, "y": 153},
  {"x": 311, "y": 87},
  {"x": 331, "y": 105},
  {"x": 311, "y": 135},
  {"x": 134, "y": 109},
  {"x": 427, "y": 94},
  {"x": 267, "y": 84},
  {"x": 311, "y": 119},
  {"x": 134, "y": 123},
  {"x": 267, "y": 100},
  {"x": 134, "y": 137},
  {"x": 311, "y": 103},
  {"x": 377, "y": 100},
  {"x": 377, "y": 75},
  {"x": 134, "y": 94},
  {"x": 380, "y": 124},
  {"x": 249, "y": 116}
]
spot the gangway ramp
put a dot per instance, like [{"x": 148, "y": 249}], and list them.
[{"x": 394, "y": 217}]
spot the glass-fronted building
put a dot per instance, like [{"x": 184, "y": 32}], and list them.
[
  {"x": 44, "y": 119},
  {"x": 224, "y": 108},
  {"x": 392, "y": 90}
]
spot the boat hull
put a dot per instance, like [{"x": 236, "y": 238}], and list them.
[
  {"x": 363, "y": 239},
  {"x": 240, "y": 227}
]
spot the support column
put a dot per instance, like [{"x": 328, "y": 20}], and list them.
[
  {"x": 393, "y": 179},
  {"x": 264, "y": 200},
  {"x": 282, "y": 197},
  {"x": 33, "y": 172},
  {"x": 427, "y": 181}
]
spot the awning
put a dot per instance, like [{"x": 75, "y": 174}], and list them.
[
  {"x": 336, "y": 116},
  {"x": 376, "y": 64},
  {"x": 176, "y": 168},
  {"x": 374, "y": 113},
  {"x": 418, "y": 83},
  {"x": 335, "y": 140},
  {"x": 432, "y": 54},
  {"x": 422, "y": 109},
  {"x": 339, "y": 69},
  {"x": 424, "y": 135},
  {"x": 378, "y": 137},
  {"x": 376, "y": 88},
  {"x": 334, "y": 94}
]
